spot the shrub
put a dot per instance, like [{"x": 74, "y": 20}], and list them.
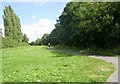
[{"x": 9, "y": 42}]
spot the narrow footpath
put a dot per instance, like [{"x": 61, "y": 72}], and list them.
[{"x": 114, "y": 60}]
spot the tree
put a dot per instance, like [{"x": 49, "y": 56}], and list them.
[
  {"x": 84, "y": 24},
  {"x": 32, "y": 43},
  {"x": 38, "y": 41},
  {"x": 45, "y": 39},
  {"x": 1, "y": 32},
  {"x": 25, "y": 39},
  {"x": 13, "y": 34},
  {"x": 12, "y": 24}
]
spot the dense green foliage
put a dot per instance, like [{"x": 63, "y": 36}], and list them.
[
  {"x": 9, "y": 42},
  {"x": 12, "y": 24},
  {"x": 45, "y": 39},
  {"x": 25, "y": 39},
  {"x": 37, "y": 42},
  {"x": 39, "y": 64},
  {"x": 93, "y": 24},
  {"x": 13, "y": 34}
]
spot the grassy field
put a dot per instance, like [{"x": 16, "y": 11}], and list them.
[{"x": 39, "y": 64}]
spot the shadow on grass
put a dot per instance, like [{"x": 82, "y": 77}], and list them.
[
  {"x": 61, "y": 54},
  {"x": 101, "y": 52},
  {"x": 90, "y": 51},
  {"x": 98, "y": 53}
]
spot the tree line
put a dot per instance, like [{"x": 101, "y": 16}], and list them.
[
  {"x": 88, "y": 24},
  {"x": 13, "y": 34},
  {"x": 81, "y": 24},
  {"x": 41, "y": 41}
]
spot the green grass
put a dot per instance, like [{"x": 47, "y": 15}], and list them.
[
  {"x": 39, "y": 64},
  {"x": 92, "y": 51}
]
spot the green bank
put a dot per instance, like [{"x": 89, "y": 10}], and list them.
[{"x": 39, "y": 64}]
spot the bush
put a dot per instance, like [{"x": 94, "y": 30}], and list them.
[{"x": 9, "y": 42}]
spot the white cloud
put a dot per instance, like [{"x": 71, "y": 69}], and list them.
[
  {"x": 37, "y": 30},
  {"x": 33, "y": 17},
  {"x": 40, "y": 3}
]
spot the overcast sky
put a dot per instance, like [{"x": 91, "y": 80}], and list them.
[{"x": 36, "y": 18}]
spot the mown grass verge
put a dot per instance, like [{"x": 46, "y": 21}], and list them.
[{"x": 39, "y": 64}]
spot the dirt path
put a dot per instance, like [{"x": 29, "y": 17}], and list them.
[{"x": 113, "y": 60}]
